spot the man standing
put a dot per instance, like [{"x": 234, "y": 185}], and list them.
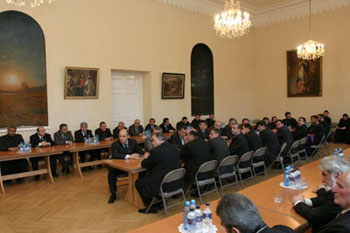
[
  {"x": 124, "y": 148},
  {"x": 178, "y": 138},
  {"x": 64, "y": 137},
  {"x": 10, "y": 142},
  {"x": 162, "y": 159},
  {"x": 43, "y": 139},
  {"x": 268, "y": 139},
  {"x": 136, "y": 129}
]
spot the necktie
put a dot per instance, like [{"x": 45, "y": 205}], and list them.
[{"x": 125, "y": 145}]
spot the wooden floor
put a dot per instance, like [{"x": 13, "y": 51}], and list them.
[{"x": 75, "y": 205}]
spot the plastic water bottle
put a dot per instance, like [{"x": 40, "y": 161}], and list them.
[
  {"x": 286, "y": 176},
  {"x": 191, "y": 221},
  {"x": 193, "y": 204},
  {"x": 335, "y": 153},
  {"x": 186, "y": 210},
  {"x": 207, "y": 218},
  {"x": 29, "y": 147},
  {"x": 199, "y": 219},
  {"x": 341, "y": 154},
  {"x": 97, "y": 140}
]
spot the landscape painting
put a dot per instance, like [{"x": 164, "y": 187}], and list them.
[
  {"x": 304, "y": 77},
  {"x": 23, "y": 91}
]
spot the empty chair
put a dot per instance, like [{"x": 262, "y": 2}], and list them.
[
  {"x": 229, "y": 161},
  {"x": 325, "y": 142},
  {"x": 279, "y": 158},
  {"x": 258, "y": 161},
  {"x": 317, "y": 148},
  {"x": 244, "y": 166},
  {"x": 302, "y": 148},
  {"x": 168, "y": 178},
  {"x": 293, "y": 152}
]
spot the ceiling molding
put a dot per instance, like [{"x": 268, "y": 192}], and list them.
[{"x": 263, "y": 16}]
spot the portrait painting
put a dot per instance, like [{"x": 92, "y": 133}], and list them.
[
  {"x": 304, "y": 77},
  {"x": 23, "y": 91},
  {"x": 173, "y": 86},
  {"x": 81, "y": 83}
]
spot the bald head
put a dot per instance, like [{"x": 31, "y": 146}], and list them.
[
  {"x": 123, "y": 136},
  {"x": 41, "y": 131}
]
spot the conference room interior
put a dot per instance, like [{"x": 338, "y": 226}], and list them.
[{"x": 134, "y": 46}]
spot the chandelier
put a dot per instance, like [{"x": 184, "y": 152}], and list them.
[
  {"x": 33, "y": 3},
  {"x": 311, "y": 49},
  {"x": 230, "y": 23}
]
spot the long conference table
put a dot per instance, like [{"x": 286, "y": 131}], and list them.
[
  {"x": 74, "y": 148},
  {"x": 262, "y": 195}
]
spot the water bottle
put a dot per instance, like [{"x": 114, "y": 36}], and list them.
[
  {"x": 191, "y": 221},
  {"x": 193, "y": 204},
  {"x": 292, "y": 178},
  {"x": 335, "y": 153},
  {"x": 97, "y": 140},
  {"x": 186, "y": 210},
  {"x": 207, "y": 218},
  {"x": 341, "y": 154},
  {"x": 286, "y": 176},
  {"x": 29, "y": 147},
  {"x": 199, "y": 219},
  {"x": 89, "y": 139}
]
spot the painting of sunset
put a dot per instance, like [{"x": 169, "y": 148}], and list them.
[{"x": 23, "y": 92}]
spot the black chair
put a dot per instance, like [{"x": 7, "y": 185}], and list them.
[
  {"x": 258, "y": 161},
  {"x": 244, "y": 160},
  {"x": 229, "y": 161}
]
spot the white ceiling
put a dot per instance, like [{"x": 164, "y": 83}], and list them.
[{"x": 263, "y": 12}]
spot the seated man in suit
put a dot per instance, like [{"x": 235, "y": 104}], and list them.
[
  {"x": 195, "y": 122},
  {"x": 327, "y": 119},
  {"x": 301, "y": 130},
  {"x": 124, "y": 148},
  {"x": 341, "y": 133},
  {"x": 43, "y": 139},
  {"x": 217, "y": 146},
  {"x": 120, "y": 126},
  {"x": 184, "y": 122},
  {"x": 284, "y": 136},
  {"x": 104, "y": 133},
  {"x": 148, "y": 141},
  {"x": 178, "y": 138},
  {"x": 162, "y": 159},
  {"x": 136, "y": 129},
  {"x": 320, "y": 210},
  {"x": 238, "y": 214},
  {"x": 210, "y": 121},
  {"x": 226, "y": 131},
  {"x": 272, "y": 124},
  {"x": 315, "y": 132},
  {"x": 289, "y": 121},
  {"x": 245, "y": 121},
  {"x": 253, "y": 139},
  {"x": 10, "y": 142},
  {"x": 194, "y": 154},
  {"x": 64, "y": 137},
  {"x": 239, "y": 144},
  {"x": 268, "y": 139},
  {"x": 203, "y": 130},
  {"x": 151, "y": 125},
  {"x": 341, "y": 224},
  {"x": 82, "y": 135},
  {"x": 326, "y": 126},
  {"x": 166, "y": 126}
]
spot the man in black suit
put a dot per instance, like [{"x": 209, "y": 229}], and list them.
[
  {"x": 239, "y": 144},
  {"x": 136, "y": 129},
  {"x": 289, "y": 121},
  {"x": 284, "y": 136},
  {"x": 226, "y": 132},
  {"x": 320, "y": 210},
  {"x": 268, "y": 139},
  {"x": 104, "y": 133},
  {"x": 327, "y": 119},
  {"x": 301, "y": 130},
  {"x": 326, "y": 126},
  {"x": 238, "y": 214},
  {"x": 315, "y": 132},
  {"x": 195, "y": 153},
  {"x": 184, "y": 122},
  {"x": 151, "y": 125},
  {"x": 162, "y": 159},
  {"x": 10, "y": 142},
  {"x": 195, "y": 122},
  {"x": 203, "y": 130},
  {"x": 43, "y": 139},
  {"x": 83, "y": 135},
  {"x": 120, "y": 126},
  {"x": 217, "y": 146},
  {"x": 342, "y": 130},
  {"x": 341, "y": 224},
  {"x": 178, "y": 138},
  {"x": 210, "y": 121},
  {"x": 124, "y": 148},
  {"x": 253, "y": 139},
  {"x": 64, "y": 137},
  {"x": 166, "y": 126},
  {"x": 272, "y": 124}
]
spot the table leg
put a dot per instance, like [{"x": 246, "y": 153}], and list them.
[
  {"x": 1, "y": 183},
  {"x": 132, "y": 195},
  {"x": 76, "y": 165},
  {"x": 48, "y": 167}
]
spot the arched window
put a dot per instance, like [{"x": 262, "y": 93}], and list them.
[
  {"x": 23, "y": 92},
  {"x": 202, "y": 80}
]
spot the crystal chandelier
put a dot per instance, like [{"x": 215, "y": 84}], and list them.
[
  {"x": 230, "y": 23},
  {"x": 311, "y": 49},
  {"x": 33, "y": 3}
]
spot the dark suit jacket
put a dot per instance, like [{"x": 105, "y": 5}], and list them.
[
  {"x": 226, "y": 131},
  {"x": 195, "y": 124},
  {"x": 276, "y": 229},
  {"x": 239, "y": 145},
  {"x": 79, "y": 137},
  {"x": 203, "y": 135},
  {"x": 341, "y": 224},
  {"x": 270, "y": 140},
  {"x": 323, "y": 209},
  {"x": 116, "y": 132},
  {"x": 176, "y": 140},
  {"x": 254, "y": 141},
  {"x": 163, "y": 159},
  {"x": 166, "y": 129},
  {"x": 290, "y": 122},
  {"x": 103, "y": 135},
  {"x": 210, "y": 123},
  {"x": 285, "y": 136},
  {"x": 318, "y": 132},
  {"x": 328, "y": 120},
  {"x": 193, "y": 155},
  {"x": 271, "y": 125},
  {"x": 218, "y": 148},
  {"x": 35, "y": 139},
  {"x": 6, "y": 141},
  {"x": 326, "y": 127},
  {"x": 150, "y": 128},
  {"x": 179, "y": 124},
  {"x": 119, "y": 151},
  {"x": 132, "y": 131},
  {"x": 61, "y": 139},
  {"x": 300, "y": 132}
]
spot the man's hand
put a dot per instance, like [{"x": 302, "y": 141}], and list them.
[
  {"x": 296, "y": 199},
  {"x": 134, "y": 156},
  {"x": 146, "y": 155},
  {"x": 108, "y": 139},
  {"x": 13, "y": 149},
  {"x": 44, "y": 143}
]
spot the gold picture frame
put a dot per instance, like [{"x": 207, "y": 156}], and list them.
[{"x": 81, "y": 82}]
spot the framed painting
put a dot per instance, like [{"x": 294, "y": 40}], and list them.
[
  {"x": 173, "y": 86},
  {"x": 304, "y": 77},
  {"x": 81, "y": 83}
]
